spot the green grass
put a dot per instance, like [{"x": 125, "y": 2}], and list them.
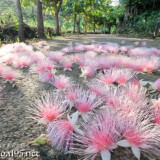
[
  {"x": 49, "y": 23},
  {"x": 31, "y": 22}
]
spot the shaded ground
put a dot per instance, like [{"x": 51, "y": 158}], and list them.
[
  {"x": 101, "y": 38},
  {"x": 16, "y": 130}
]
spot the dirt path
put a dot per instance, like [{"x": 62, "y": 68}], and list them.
[
  {"x": 16, "y": 130},
  {"x": 102, "y": 38}
]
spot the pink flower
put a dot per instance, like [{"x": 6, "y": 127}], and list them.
[
  {"x": 141, "y": 51},
  {"x": 146, "y": 64},
  {"x": 47, "y": 108},
  {"x": 4, "y": 68},
  {"x": 85, "y": 42},
  {"x": 112, "y": 47},
  {"x": 124, "y": 49},
  {"x": 8, "y": 58},
  {"x": 136, "y": 43},
  {"x": 123, "y": 42},
  {"x": 70, "y": 44},
  {"x": 135, "y": 92},
  {"x": 151, "y": 64},
  {"x": 98, "y": 135},
  {"x": 46, "y": 76},
  {"x": 66, "y": 50},
  {"x": 61, "y": 82},
  {"x": 99, "y": 49},
  {"x": 129, "y": 47},
  {"x": 98, "y": 88},
  {"x": 80, "y": 59},
  {"x": 87, "y": 101},
  {"x": 89, "y": 68},
  {"x": 112, "y": 97},
  {"x": 106, "y": 79},
  {"x": 124, "y": 75},
  {"x": 126, "y": 99},
  {"x": 25, "y": 61},
  {"x": 61, "y": 132},
  {"x": 105, "y": 63},
  {"x": 156, "y": 111},
  {"x": 37, "y": 57},
  {"x": 116, "y": 75},
  {"x": 123, "y": 62},
  {"x": 144, "y": 43},
  {"x": 155, "y": 51},
  {"x": 9, "y": 74},
  {"x": 42, "y": 66},
  {"x": 74, "y": 58},
  {"x": 72, "y": 93},
  {"x": 157, "y": 84},
  {"x": 47, "y": 48},
  {"x": 42, "y": 43},
  {"x": 88, "y": 72},
  {"x": 138, "y": 65},
  {"x": 134, "y": 81},
  {"x": 141, "y": 135},
  {"x": 67, "y": 64},
  {"x": 79, "y": 48},
  {"x": 89, "y": 47},
  {"x": 55, "y": 56}
]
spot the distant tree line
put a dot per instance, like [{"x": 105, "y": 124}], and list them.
[{"x": 92, "y": 12}]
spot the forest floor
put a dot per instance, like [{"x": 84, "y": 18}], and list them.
[{"x": 16, "y": 130}]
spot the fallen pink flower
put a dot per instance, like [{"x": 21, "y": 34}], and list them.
[
  {"x": 86, "y": 101},
  {"x": 140, "y": 135},
  {"x": 61, "y": 82},
  {"x": 9, "y": 74},
  {"x": 46, "y": 76},
  {"x": 98, "y": 136},
  {"x": 123, "y": 42},
  {"x": 157, "y": 84},
  {"x": 47, "y": 108},
  {"x": 98, "y": 88},
  {"x": 144, "y": 43},
  {"x": 47, "y": 48},
  {"x": 60, "y": 132},
  {"x": 136, "y": 43}
]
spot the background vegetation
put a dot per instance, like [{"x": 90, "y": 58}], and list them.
[{"x": 130, "y": 17}]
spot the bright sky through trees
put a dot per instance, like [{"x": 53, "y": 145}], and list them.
[{"x": 115, "y": 2}]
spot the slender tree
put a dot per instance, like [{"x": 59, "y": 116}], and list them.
[
  {"x": 40, "y": 19},
  {"x": 78, "y": 24},
  {"x": 85, "y": 23},
  {"x": 57, "y": 5},
  {"x": 21, "y": 24},
  {"x": 74, "y": 24}
]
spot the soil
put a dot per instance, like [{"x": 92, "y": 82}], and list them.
[{"x": 16, "y": 130}]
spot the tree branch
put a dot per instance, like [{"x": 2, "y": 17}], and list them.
[
  {"x": 55, "y": 4},
  {"x": 59, "y": 6}
]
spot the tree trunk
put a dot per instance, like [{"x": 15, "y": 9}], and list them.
[
  {"x": 60, "y": 24},
  {"x": 104, "y": 27},
  {"x": 85, "y": 24},
  {"x": 20, "y": 20},
  {"x": 57, "y": 9},
  {"x": 94, "y": 25},
  {"x": 78, "y": 24},
  {"x": 157, "y": 28},
  {"x": 40, "y": 20},
  {"x": 74, "y": 25},
  {"x": 126, "y": 17},
  {"x": 56, "y": 22},
  {"x": 109, "y": 29}
]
